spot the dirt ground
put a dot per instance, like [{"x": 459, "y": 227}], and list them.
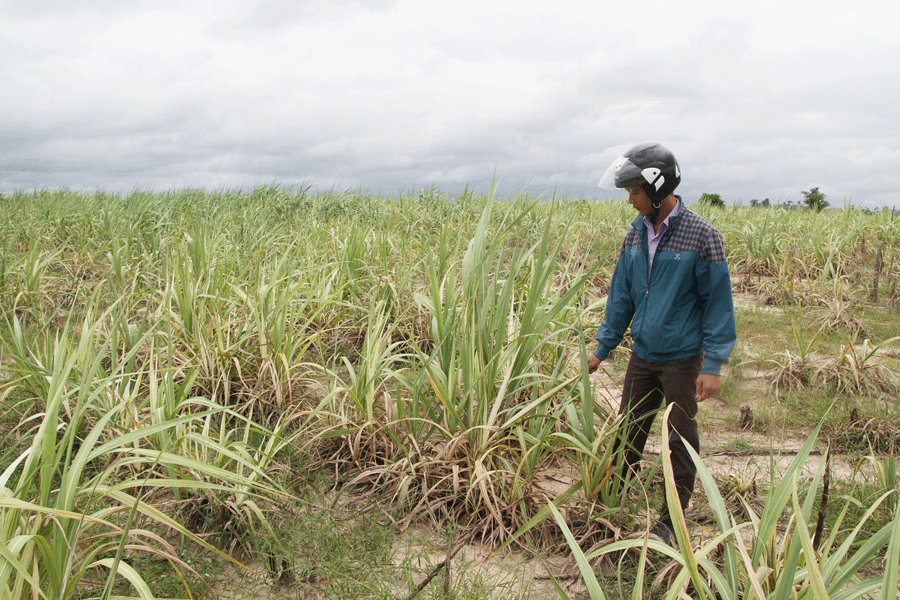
[
  {"x": 728, "y": 447},
  {"x": 727, "y": 450}
]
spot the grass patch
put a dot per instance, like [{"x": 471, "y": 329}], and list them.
[
  {"x": 881, "y": 322},
  {"x": 763, "y": 329}
]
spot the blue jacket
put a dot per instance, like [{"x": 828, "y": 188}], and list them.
[{"x": 686, "y": 305}]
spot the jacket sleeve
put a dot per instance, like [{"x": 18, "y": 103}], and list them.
[
  {"x": 718, "y": 325},
  {"x": 619, "y": 308}
]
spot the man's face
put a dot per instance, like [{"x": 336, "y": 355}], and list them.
[{"x": 639, "y": 199}]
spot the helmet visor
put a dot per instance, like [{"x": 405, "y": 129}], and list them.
[{"x": 625, "y": 174}]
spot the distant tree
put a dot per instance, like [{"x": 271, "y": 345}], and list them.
[
  {"x": 712, "y": 200},
  {"x": 766, "y": 202},
  {"x": 815, "y": 200},
  {"x": 754, "y": 202}
]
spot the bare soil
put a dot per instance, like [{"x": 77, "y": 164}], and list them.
[{"x": 730, "y": 447}]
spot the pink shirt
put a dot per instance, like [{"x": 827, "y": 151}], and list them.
[{"x": 653, "y": 238}]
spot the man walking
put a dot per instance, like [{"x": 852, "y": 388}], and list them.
[{"x": 671, "y": 285}]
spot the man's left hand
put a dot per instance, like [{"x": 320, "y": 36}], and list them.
[{"x": 707, "y": 386}]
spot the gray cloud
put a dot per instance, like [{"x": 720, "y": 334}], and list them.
[{"x": 394, "y": 94}]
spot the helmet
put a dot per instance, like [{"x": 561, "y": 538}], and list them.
[{"x": 651, "y": 166}]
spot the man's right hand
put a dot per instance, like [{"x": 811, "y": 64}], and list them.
[{"x": 593, "y": 363}]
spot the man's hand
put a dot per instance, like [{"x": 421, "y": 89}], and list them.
[
  {"x": 707, "y": 386},
  {"x": 593, "y": 363}
]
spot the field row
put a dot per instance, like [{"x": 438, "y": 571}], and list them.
[{"x": 179, "y": 362}]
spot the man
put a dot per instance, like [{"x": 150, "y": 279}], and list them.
[{"x": 671, "y": 285}]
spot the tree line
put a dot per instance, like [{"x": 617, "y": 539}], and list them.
[{"x": 814, "y": 199}]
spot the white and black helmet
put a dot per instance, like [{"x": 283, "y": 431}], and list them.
[{"x": 651, "y": 166}]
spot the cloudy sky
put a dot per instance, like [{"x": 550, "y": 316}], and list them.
[{"x": 757, "y": 99}]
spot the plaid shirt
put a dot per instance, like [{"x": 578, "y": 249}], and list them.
[{"x": 653, "y": 239}]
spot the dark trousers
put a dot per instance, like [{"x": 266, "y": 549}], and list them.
[{"x": 647, "y": 386}]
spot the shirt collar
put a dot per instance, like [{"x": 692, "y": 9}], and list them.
[{"x": 665, "y": 222}]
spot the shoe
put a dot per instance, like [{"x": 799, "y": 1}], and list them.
[
  {"x": 663, "y": 532},
  {"x": 579, "y": 520}
]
